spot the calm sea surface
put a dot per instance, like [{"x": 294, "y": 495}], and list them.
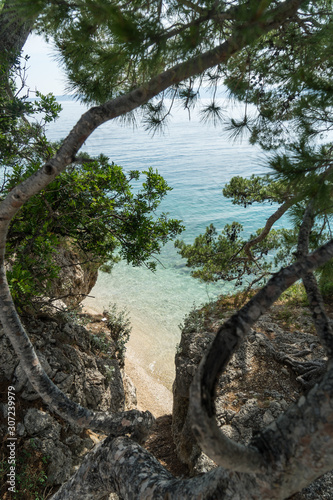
[{"x": 196, "y": 160}]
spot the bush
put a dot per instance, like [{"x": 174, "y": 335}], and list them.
[{"x": 120, "y": 328}]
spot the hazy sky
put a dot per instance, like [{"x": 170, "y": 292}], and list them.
[{"x": 44, "y": 72}]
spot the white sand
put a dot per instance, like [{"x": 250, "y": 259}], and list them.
[{"x": 152, "y": 395}]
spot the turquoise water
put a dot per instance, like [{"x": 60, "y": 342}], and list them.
[{"x": 196, "y": 160}]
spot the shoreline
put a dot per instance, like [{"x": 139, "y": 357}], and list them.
[{"x": 152, "y": 394}]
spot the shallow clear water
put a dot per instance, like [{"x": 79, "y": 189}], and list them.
[{"x": 196, "y": 160}]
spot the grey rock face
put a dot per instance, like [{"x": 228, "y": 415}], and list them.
[
  {"x": 67, "y": 353},
  {"x": 40, "y": 423},
  {"x": 130, "y": 392},
  {"x": 75, "y": 281},
  {"x": 260, "y": 382}
]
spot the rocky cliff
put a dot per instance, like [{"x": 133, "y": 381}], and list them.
[
  {"x": 81, "y": 360},
  {"x": 280, "y": 359}
]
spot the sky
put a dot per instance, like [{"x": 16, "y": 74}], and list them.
[{"x": 44, "y": 72}]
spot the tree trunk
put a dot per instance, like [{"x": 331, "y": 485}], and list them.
[
  {"x": 14, "y": 31},
  {"x": 296, "y": 449}
]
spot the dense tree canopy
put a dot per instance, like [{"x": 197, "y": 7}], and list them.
[{"x": 272, "y": 54}]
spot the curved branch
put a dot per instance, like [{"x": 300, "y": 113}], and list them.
[
  {"x": 321, "y": 320},
  {"x": 216, "y": 445},
  {"x": 269, "y": 223},
  {"x": 121, "y": 466}
]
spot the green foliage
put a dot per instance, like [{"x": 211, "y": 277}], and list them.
[
  {"x": 221, "y": 256},
  {"x": 94, "y": 208},
  {"x": 120, "y": 328},
  {"x": 283, "y": 73},
  {"x": 326, "y": 280},
  {"x": 20, "y": 140},
  {"x": 295, "y": 295},
  {"x": 102, "y": 343},
  {"x": 31, "y": 473},
  {"x": 287, "y": 75},
  {"x": 119, "y": 325},
  {"x": 214, "y": 257},
  {"x": 125, "y": 43},
  {"x": 257, "y": 188}
]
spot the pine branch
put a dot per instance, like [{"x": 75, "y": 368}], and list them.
[{"x": 269, "y": 223}]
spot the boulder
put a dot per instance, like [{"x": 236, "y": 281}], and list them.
[{"x": 76, "y": 276}]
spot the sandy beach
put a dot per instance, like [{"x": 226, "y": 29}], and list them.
[{"x": 152, "y": 395}]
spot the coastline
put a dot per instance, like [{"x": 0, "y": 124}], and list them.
[{"x": 152, "y": 393}]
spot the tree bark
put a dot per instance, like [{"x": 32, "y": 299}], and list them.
[
  {"x": 269, "y": 223},
  {"x": 14, "y": 31},
  {"x": 297, "y": 449}
]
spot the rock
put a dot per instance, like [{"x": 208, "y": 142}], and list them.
[
  {"x": 4, "y": 410},
  {"x": 75, "y": 280},
  {"x": 255, "y": 388},
  {"x": 130, "y": 392},
  {"x": 231, "y": 432},
  {"x": 90, "y": 377},
  {"x": 41, "y": 423},
  {"x": 267, "y": 418},
  {"x": 20, "y": 429},
  {"x": 59, "y": 460},
  {"x": 8, "y": 362}
]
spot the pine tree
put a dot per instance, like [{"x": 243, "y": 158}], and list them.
[
  {"x": 284, "y": 82},
  {"x": 135, "y": 52}
]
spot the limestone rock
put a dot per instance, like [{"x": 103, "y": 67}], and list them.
[
  {"x": 59, "y": 457},
  {"x": 69, "y": 355},
  {"x": 130, "y": 392},
  {"x": 255, "y": 388},
  {"x": 40, "y": 423},
  {"x": 75, "y": 280}
]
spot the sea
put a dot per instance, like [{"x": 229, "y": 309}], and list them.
[{"x": 196, "y": 159}]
